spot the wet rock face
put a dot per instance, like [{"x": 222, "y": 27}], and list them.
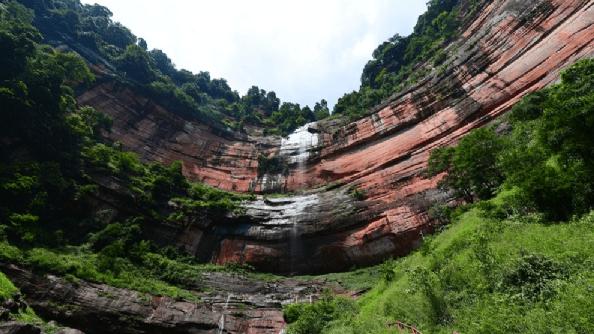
[
  {"x": 14, "y": 327},
  {"x": 238, "y": 305},
  {"x": 507, "y": 49}
]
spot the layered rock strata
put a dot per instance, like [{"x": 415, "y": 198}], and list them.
[
  {"x": 238, "y": 305},
  {"x": 508, "y": 48}
]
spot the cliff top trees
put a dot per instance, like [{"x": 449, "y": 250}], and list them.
[
  {"x": 196, "y": 96},
  {"x": 137, "y": 64},
  {"x": 392, "y": 65}
]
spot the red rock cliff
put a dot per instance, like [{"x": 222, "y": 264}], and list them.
[{"x": 509, "y": 48}]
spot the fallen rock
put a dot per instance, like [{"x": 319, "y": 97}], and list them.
[
  {"x": 4, "y": 313},
  {"x": 13, "y": 327},
  {"x": 68, "y": 331},
  {"x": 11, "y": 305}
]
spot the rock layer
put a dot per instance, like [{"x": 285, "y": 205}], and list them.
[
  {"x": 238, "y": 305},
  {"x": 508, "y": 48}
]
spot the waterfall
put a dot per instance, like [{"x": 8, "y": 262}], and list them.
[
  {"x": 295, "y": 245},
  {"x": 221, "y": 324},
  {"x": 222, "y": 320},
  {"x": 297, "y": 148}
]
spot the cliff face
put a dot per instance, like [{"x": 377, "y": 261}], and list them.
[
  {"x": 246, "y": 306},
  {"x": 508, "y": 49}
]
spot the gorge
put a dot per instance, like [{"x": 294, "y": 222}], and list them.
[
  {"x": 500, "y": 57},
  {"x": 334, "y": 194}
]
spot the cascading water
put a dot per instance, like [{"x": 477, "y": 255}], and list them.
[
  {"x": 227, "y": 302},
  {"x": 221, "y": 324},
  {"x": 285, "y": 216},
  {"x": 222, "y": 320},
  {"x": 296, "y": 146},
  {"x": 295, "y": 245},
  {"x": 296, "y": 150}
]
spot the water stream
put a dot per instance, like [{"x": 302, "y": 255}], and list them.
[
  {"x": 296, "y": 149},
  {"x": 222, "y": 320},
  {"x": 295, "y": 246}
]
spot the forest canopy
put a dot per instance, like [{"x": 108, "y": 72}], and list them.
[
  {"x": 391, "y": 68},
  {"x": 192, "y": 95}
]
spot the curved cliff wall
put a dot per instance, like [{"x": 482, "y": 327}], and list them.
[{"x": 507, "y": 49}]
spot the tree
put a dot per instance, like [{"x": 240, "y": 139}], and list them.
[
  {"x": 549, "y": 155},
  {"x": 307, "y": 114},
  {"x": 471, "y": 167},
  {"x": 162, "y": 62},
  {"x": 118, "y": 35},
  {"x": 272, "y": 103},
  {"x": 319, "y": 106},
  {"x": 13, "y": 11},
  {"x": 137, "y": 64},
  {"x": 253, "y": 95},
  {"x": 18, "y": 40},
  {"x": 193, "y": 90},
  {"x": 142, "y": 44},
  {"x": 96, "y": 11},
  {"x": 321, "y": 110}
]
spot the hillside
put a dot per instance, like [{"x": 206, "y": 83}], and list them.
[{"x": 176, "y": 176}]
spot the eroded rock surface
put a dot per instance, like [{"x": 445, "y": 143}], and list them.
[
  {"x": 237, "y": 305},
  {"x": 508, "y": 48}
]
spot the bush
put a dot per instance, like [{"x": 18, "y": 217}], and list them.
[{"x": 533, "y": 277}]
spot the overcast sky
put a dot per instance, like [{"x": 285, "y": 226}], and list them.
[{"x": 304, "y": 50}]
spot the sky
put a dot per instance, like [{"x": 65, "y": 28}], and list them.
[{"x": 305, "y": 51}]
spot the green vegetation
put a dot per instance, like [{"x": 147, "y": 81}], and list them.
[
  {"x": 352, "y": 280},
  {"x": 517, "y": 258},
  {"x": 287, "y": 194},
  {"x": 548, "y": 157},
  {"x": 49, "y": 149},
  {"x": 7, "y": 290},
  {"x": 481, "y": 275},
  {"x": 394, "y": 61},
  {"x": 274, "y": 164},
  {"x": 154, "y": 74},
  {"x": 359, "y": 194},
  {"x": 334, "y": 185},
  {"x": 313, "y": 318},
  {"x": 470, "y": 166}
]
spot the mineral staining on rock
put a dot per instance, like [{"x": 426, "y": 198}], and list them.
[{"x": 500, "y": 57}]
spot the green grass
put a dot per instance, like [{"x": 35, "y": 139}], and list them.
[
  {"x": 154, "y": 273},
  {"x": 483, "y": 275},
  {"x": 355, "y": 279},
  {"x": 7, "y": 289}
]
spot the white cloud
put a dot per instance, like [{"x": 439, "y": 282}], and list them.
[{"x": 303, "y": 50}]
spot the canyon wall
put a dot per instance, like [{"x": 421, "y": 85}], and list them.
[
  {"x": 508, "y": 48},
  {"x": 235, "y": 304}
]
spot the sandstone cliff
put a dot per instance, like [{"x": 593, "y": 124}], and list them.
[
  {"x": 235, "y": 305},
  {"x": 506, "y": 50}
]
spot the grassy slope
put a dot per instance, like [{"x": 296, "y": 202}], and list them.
[{"x": 486, "y": 275}]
